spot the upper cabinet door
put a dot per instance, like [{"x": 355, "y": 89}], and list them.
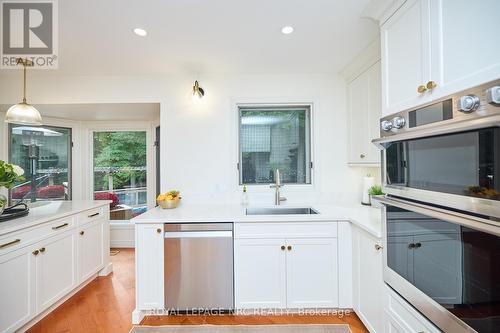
[
  {"x": 364, "y": 113},
  {"x": 465, "y": 44},
  {"x": 406, "y": 56}
]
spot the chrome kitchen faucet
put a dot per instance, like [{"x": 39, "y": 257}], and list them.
[{"x": 277, "y": 185}]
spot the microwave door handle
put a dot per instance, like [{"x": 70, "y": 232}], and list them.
[{"x": 445, "y": 215}]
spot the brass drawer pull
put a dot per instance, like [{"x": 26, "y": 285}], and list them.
[
  {"x": 42, "y": 250},
  {"x": 378, "y": 247},
  {"x": 158, "y": 230},
  {"x": 82, "y": 233},
  {"x": 283, "y": 247},
  {"x": 289, "y": 248},
  {"x": 431, "y": 85},
  {"x": 93, "y": 215},
  {"x": 10, "y": 243},
  {"x": 421, "y": 89},
  {"x": 60, "y": 226},
  {"x": 362, "y": 155},
  {"x": 36, "y": 252}
]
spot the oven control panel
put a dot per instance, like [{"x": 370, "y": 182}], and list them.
[{"x": 481, "y": 101}]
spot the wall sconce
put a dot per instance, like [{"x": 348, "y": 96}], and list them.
[{"x": 197, "y": 90}]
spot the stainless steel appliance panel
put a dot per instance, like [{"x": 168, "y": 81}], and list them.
[
  {"x": 445, "y": 263},
  {"x": 199, "y": 267}
]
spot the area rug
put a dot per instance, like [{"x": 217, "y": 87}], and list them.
[{"x": 329, "y": 328}]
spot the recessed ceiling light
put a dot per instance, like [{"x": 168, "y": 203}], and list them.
[
  {"x": 287, "y": 30},
  {"x": 140, "y": 32}
]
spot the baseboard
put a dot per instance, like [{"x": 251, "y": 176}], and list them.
[
  {"x": 122, "y": 235},
  {"x": 106, "y": 270},
  {"x": 138, "y": 316}
]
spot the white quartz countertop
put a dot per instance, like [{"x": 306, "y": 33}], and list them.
[
  {"x": 367, "y": 218},
  {"x": 48, "y": 211}
]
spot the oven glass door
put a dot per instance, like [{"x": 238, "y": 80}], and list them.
[
  {"x": 466, "y": 163},
  {"x": 456, "y": 266}
]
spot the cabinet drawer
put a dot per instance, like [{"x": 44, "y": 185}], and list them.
[
  {"x": 399, "y": 310},
  {"x": 27, "y": 236},
  {"x": 286, "y": 230},
  {"x": 91, "y": 215}
]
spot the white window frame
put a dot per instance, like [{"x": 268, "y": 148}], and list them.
[
  {"x": 125, "y": 126},
  {"x": 309, "y": 134}
]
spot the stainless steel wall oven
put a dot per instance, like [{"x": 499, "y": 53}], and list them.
[{"x": 441, "y": 212}]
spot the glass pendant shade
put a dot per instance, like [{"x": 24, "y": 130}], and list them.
[{"x": 23, "y": 113}]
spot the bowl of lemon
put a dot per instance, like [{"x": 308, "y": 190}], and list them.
[{"x": 169, "y": 200}]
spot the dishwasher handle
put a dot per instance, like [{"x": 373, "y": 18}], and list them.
[{"x": 199, "y": 234}]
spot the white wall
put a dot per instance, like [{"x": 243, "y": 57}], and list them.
[{"x": 199, "y": 140}]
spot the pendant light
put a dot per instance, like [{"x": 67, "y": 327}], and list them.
[
  {"x": 197, "y": 90},
  {"x": 23, "y": 113}
]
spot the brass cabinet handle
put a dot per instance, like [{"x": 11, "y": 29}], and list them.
[
  {"x": 60, "y": 226},
  {"x": 35, "y": 253},
  {"x": 10, "y": 243},
  {"x": 431, "y": 85},
  {"x": 289, "y": 248},
  {"x": 421, "y": 89},
  {"x": 92, "y": 215},
  {"x": 362, "y": 155},
  {"x": 283, "y": 247},
  {"x": 411, "y": 245},
  {"x": 158, "y": 230},
  {"x": 82, "y": 233},
  {"x": 378, "y": 247},
  {"x": 42, "y": 250},
  {"x": 417, "y": 245}
]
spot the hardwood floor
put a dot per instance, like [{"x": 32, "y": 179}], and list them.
[{"x": 106, "y": 304}]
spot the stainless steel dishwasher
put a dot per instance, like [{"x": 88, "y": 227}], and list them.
[{"x": 199, "y": 267}]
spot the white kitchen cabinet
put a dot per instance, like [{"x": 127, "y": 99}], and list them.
[
  {"x": 368, "y": 284},
  {"x": 406, "y": 56},
  {"x": 286, "y": 265},
  {"x": 90, "y": 249},
  {"x": 149, "y": 266},
  {"x": 17, "y": 292},
  {"x": 55, "y": 269},
  {"x": 401, "y": 317},
  {"x": 260, "y": 273},
  {"x": 364, "y": 112},
  {"x": 312, "y": 273},
  {"x": 465, "y": 44},
  {"x": 442, "y": 45}
]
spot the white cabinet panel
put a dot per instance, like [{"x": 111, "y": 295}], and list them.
[
  {"x": 466, "y": 55},
  {"x": 17, "y": 290},
  {"x": 90, "y": 249},
  {"x": 260, "y": 273},
  {"x": 312, "y": 273},
  {"x": 55, "y": 269},
  {"x": 149, "y": 266},
  {"x": 406, "y": 56},
  {"x": 364, "y": 112},
  {"x": 368, "y": 284}
]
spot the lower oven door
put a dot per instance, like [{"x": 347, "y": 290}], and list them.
[{"x": 446, "y": 264}]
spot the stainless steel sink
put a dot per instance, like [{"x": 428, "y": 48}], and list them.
[{"x": 281, "y": 211}]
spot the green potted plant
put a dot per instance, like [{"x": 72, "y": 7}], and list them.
[
  {"x": 9, "y": 175},
  {"x": 374, "y": 191}
]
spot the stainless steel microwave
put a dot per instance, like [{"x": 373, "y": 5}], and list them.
[{"x": 446, "y": 153}]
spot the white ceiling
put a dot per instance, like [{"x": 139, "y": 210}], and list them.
[
  {"x": 101, "y": 112},
  {"x": 216, "y": 36}
]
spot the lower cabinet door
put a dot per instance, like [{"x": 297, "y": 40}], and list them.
[
  {"x": 90, "y": 249},
  {"x": 312, "y": 273},
  {"x": 368, "y": 284},
  {"x": 55, "y": 269},
  {"x": 260, "y": 273},
  {"x": 17, "y": 290}
]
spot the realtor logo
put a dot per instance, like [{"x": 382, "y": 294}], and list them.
[{"x": 29, "y": 30}]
